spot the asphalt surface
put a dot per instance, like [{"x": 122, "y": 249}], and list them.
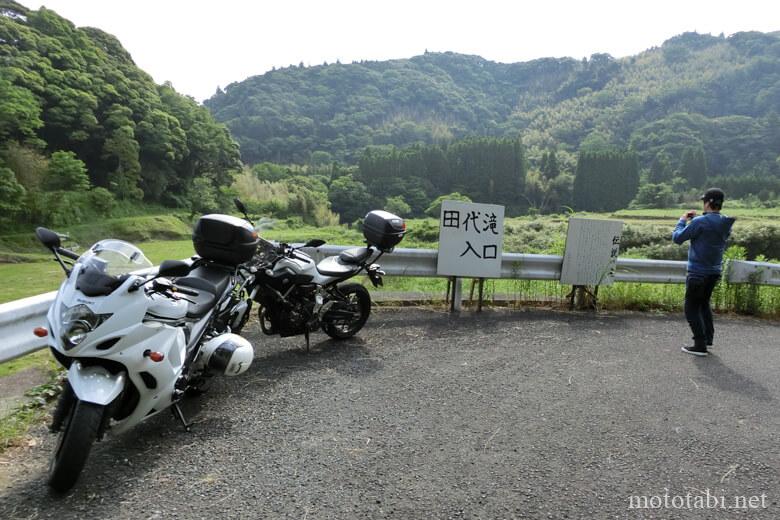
[{"x": 503, "y": 414}]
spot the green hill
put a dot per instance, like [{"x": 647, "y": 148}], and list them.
[
  {"x": 694, "y": 91},
  {"x": 81, "y": 126}
]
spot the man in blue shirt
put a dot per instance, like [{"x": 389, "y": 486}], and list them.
[{"x": 708, "y": 234}]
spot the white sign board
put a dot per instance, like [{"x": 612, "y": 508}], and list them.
[
  {"x": 471, "y": 238},
  {"x": 592, "y": 248}
]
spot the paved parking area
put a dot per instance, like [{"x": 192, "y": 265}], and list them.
[{"x": 503, "y": 414}]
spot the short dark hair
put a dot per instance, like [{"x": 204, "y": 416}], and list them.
[{"x": 715, "y": 204}]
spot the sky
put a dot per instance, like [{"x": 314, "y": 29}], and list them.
[{"x": 199, "y": 45}]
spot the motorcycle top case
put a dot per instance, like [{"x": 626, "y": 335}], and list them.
[
  {"x": 383, "y": 230},
  {"x": 224, "y": 239}
]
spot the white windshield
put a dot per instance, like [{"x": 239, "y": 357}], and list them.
[{"x": 115, "y": 257}]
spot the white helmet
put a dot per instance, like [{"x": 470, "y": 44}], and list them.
[{"x": 227, "y": 354}]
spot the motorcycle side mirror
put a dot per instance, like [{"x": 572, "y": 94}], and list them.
[
  {"x": 240, "y": 206},
  {"x": 314, "y": 242},
  {"x": 48, "y": 238},
  {"x": 174, "y": 268}
]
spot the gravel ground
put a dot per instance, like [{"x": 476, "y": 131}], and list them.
[
  {"x": 503, "y": 414},
  {"x": 14, "y": 386}
]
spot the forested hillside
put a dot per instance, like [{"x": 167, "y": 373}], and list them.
[
  {"x": 83, "y": 129},
  {"x": 695, "y": 94},
  {"x": 84, "y": 133}
]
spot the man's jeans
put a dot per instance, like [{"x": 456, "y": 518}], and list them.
[{"x": 698, "y": 290}]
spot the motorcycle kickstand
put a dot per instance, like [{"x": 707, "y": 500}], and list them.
[
  {"x": 180, "y": 416},
  {"x": 306, "y": 335}
]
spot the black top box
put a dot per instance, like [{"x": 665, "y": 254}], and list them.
[
  {"x": 383, "y": 230},
  {"x": 224, "y": 239}
]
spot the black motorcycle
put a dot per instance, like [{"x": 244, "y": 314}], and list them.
[{"x": 297, "y": 295}]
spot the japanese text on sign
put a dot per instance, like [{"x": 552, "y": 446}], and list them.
[
  {"x": 592, "y": 248},
  {"x": 471, "y": 237}
]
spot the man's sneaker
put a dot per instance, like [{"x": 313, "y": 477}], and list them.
[{"x": 696, "y": 351}]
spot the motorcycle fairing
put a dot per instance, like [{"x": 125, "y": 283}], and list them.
[{"x": 136, "y": 337}]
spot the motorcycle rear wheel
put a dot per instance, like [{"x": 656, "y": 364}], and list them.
[
  {"x": 358, "y": 301},
  {"x": 74, "y": 442}
]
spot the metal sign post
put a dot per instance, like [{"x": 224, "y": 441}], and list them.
[{"x": 454, "y": 293}]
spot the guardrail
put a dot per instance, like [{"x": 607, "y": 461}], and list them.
[
  {"x": 17, "y": 321},
  {"x": 19, "y": 318},
  {"x": 519, "y": 266}
]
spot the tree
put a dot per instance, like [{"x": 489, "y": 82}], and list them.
[
  {"x": 693, "y": 167},
  {"x": 19, "y": 112},
  {"x": 101, "y": 201},
  {"x": 28, "y": 164},
  {"x": 597, "y": 142},
  {"x": 655, "y": 196},
  {"x": 550, "y": 167},
  {"x": 434, "y": 210},
  {"x": 560, "y": 192},
  {"x": 547, "y": 195},
  {"x": 398, "y": 206},
  {"x": 121, "y": 153},
  {"x": 660, "y": 170},
  {"x": 535, "y": 190},
  {"x": 66, "y": 173},
  {"x": 485, "y": 169},
  {"x": 605, "y": 181},
  {"x": 202, "y": 196},
  {"x": 11, "y": 194},
  {"x": 320, "y": 158},
  {"x": 349, "y": 198},
  {"x": 77, "y": 89}
]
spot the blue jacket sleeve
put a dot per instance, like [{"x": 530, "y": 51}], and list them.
[{"x": 682, "y": 232}]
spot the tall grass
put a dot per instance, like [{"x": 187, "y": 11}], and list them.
[{"x": 283, "y": 200}]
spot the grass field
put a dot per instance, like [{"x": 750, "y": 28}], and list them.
[
  {"x": 672, "y": 214},
  {"x": 646, "y": 235}
]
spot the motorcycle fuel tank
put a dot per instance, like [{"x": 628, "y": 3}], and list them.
[
  {"x": 289, "y": 271},
  {"x": 166, "y": 308}
]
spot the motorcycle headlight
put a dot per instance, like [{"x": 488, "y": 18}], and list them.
[{"x": 77, "y": 322}]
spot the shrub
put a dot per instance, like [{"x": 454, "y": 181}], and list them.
[
  {"x": 434, "y": 210},
  {"x": 102, "y": 201}
]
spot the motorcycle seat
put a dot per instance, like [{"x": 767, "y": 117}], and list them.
[
  {"x": 354, "y": 255},
  {"x": 334, "y": 266},
  {"x": 209, "y": 282},
  {"x": 208, "y": 278},
  {"x": 199, "y": 305}
]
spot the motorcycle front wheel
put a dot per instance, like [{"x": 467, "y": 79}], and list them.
[
  {"x": 349, "y": 313},
  {"x": 63, "y": 409},
  {"x": 77, "y": 434}
]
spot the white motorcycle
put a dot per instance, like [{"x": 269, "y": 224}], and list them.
[{"x": 132, "y": 341}]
